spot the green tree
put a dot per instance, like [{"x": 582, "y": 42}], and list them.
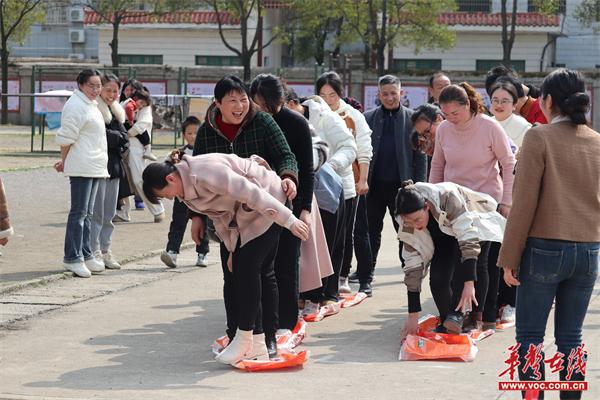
[
  {"x": 114, "y": 11},
  {"x": 588, "y": 13},
  {"x": 382, "y": 24},
  {"x": 16, "y": 18},
  {"x": 250, "y": 14}
]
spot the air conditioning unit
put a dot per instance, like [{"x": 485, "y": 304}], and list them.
[
  {"x": 76, "y": 15},
  {"x": 76, "y": 35},
  {"x": 77, "y": 56}
]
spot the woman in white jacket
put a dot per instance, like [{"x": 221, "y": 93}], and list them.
[
  {"x": 83, "y": 150},
  {"x": 329, "y": 87},
  {"x": 342, "y": 152}
]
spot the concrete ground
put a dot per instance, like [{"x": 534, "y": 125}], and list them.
[{"x": 144, "y": 332}]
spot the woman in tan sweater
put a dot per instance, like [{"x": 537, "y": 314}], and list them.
[{"x": 552, "y": 237}]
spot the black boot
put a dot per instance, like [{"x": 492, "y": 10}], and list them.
[
  {"x": 271, "y": 343},
  {"x": 366, "y": 289}
]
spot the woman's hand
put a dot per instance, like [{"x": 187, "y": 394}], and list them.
[
  {"x": 504, "y": 210},
  {"x": 467, "y": 298},
  {"x": 411, "y": 325},
  {"x": 59, "y": 166},
  {"x": 197, "y": 229},
  {"x": 289, "y": 188},
  {"x": 362, "y": 187},
  {"x": 509, "y": 278},
  {"x": 299, "y": 229},
  {"x": 306, "y": 218}
]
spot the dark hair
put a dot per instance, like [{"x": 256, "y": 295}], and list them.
[
  {"x": 191, "y": 120},
  {"x": 507, "y": 86},
  {"x": 142, "y": 95},
  {"x": 135, "y": 84},
  {"x": 270, "y": 89},
  {"x": 354, "y": 103},
  {"x": 426, "y": 112},
  {"x": 85, "y": 75},
  {"x": 155, "y": 178},
  {"x": 435, "y": 76},
  {"x": 108, "y": 77},
  {"x": 463, "y": 93},
  {"x": 534, "y": 91},
  {"x": 414, "y": 140},
  {"x": 332, "y": 79},
  {"x": 228, "y": 84},
  {"x": 408, "y": 199},
  {"x": 506, "y": 74},
  {"x": 388, "y": 80},
  {"x": 291, "y": 95},
  {"x": 567, "y": 89}
]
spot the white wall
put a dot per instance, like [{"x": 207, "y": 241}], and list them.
[
  {"x": 471, "y": 46},
  {"x": 179, "y": 47},
  {"x": 581, "y": 48}
]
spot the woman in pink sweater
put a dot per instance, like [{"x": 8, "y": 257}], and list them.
[
  {"x": 470, "y": 148},
  {"x": 246, "y": 202}
]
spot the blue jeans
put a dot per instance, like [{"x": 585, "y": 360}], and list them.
[
  {"x": 561, "y": 272},
  {"x": 77, "y": 237}
]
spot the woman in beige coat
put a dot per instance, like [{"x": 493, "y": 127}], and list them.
[{"x": 245, "y": 200}]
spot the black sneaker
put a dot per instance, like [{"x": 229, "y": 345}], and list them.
[
  {"x": 454, "y": 322},
  {"x": 366, "y": 289},
  {"x": 353, "y": 277}
]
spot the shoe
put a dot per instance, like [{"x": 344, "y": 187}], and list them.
[
  {"x": 149, "y": 156},
  {"x": 310, "y": 308},
  {"x": 344, "y": 287},
  {"x": 271, "y": 343},
  {"x": 440, "y": 329},
  {"x": 118, "y": 219},
  {"x": 508, "y": 314},
  {"x": 282, "y": 332},
  {"x": 94, "y": 265},
  {"x": 78, "y": 268},
  {"x": 366, "y": 289},
  {"x": 473, "y": 322},
  {"x": 259, "y": 348},
  {"x": 139, "y": 205},
  {"x": 159, "y": 217},
  {"x": 201, "y": 260},
  {"x": 238, "y": 349},
  {"x": 97, "y": 254},
  {"x": 353, "y": 277},
  {"x": 109, "y": 261},
  {"x": 301, "y": 304},
  {"x": 454, "y": 322},
  {"x": 169, "y": 258}
]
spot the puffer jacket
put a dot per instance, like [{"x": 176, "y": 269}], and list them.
[
  {"x": 116, "y": 136},
  {"x": 342, "y": 147},
  {"x": 467, "y": 215}
]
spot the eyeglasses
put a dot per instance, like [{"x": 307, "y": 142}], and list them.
[
  {"x": 423, "y": 136},
  {"x": 504, "y": 102}
]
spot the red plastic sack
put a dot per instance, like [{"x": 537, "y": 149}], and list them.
[
  {"x": 353, "y": 299},
  {"x": 285, "y": 360},
  {"x": 293, "y": 339},
  {"x": 324, "y": 311}
]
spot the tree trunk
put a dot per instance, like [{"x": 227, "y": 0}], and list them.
[
  {"x": 381, "y": 43},
  {"x": 508, "y": 40},
  {"x": 246, "y": 57},
  {"x": 4, "y": 55},
  {"x": 114, "y": 45}
]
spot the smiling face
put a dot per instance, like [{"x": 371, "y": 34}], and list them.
[
  {"x": 438, "y": 84},
  {"x": 234, "y": 107},
  {"x": 110, "y": 92},
  {"x": 92, "y": 88},
  {"x": 330, "y": 96},
  {"x": 418, "y": 219},
  {"x": 455, "y": 112},
  {"x": 426, "y": 131},
  {"x": 502, "y": 104},
  {"x": 389, "y": 95}
]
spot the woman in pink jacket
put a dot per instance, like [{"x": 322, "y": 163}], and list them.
[{"x": 246, "y": 203}]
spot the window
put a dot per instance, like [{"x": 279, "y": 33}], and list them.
[
  {"x": 474, "y": 5},
  {"x": 140, "y": 59},
  {"x": 562, "y": 6},
  {"x": 219, "y": 61},
  {"x": 486, "y": 65},
  {"x": 417, "y": 65}
]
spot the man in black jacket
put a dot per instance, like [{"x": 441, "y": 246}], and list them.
[{"x": 394, "y": 161}]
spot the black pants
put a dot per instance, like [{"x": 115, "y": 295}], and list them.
[
  {"x": 333, "y": 225},
  {"x": 446, "y": 286},
  {"x": 506, "y": 295},
  {"x": 491, "y": 301},
  {"x": 287, "y": 264},
  {"x": 349, "y": 239},
  {"x": 250, "y": 290},
  {"x": 179, "y": 223},
  {"x": 362, "y": 243},
  {"x": 381, "y": 198}
]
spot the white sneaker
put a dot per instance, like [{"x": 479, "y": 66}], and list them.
[
  {"x": 508, "y": 314},
  {"x": 109, "y": 261},
  {"x": 97, "y": 254},
  {"x": 201, "y": 261},
  {"x": 344, "y": 287},
  {"x": 94, "y": 265},
  {"x": 78, "y": 268},
  {"x": 169, "y": 258},
  {"x": 158, "y": 218},
  {"x": 283, "y": 332},
  {"x": 149, "y": 156},
  {"x": 310, "y": 308}
]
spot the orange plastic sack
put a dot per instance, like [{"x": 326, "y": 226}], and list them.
[
  {"x": 219, "y": 344},
  {"x": 353, "y": 299},
  {"x": 293, "y": 339},
  {"x": 285, "y": 360},
  {"x": 325, "y": 311}
]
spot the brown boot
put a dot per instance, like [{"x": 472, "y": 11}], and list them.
[{"x": 473, "y": 322}]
